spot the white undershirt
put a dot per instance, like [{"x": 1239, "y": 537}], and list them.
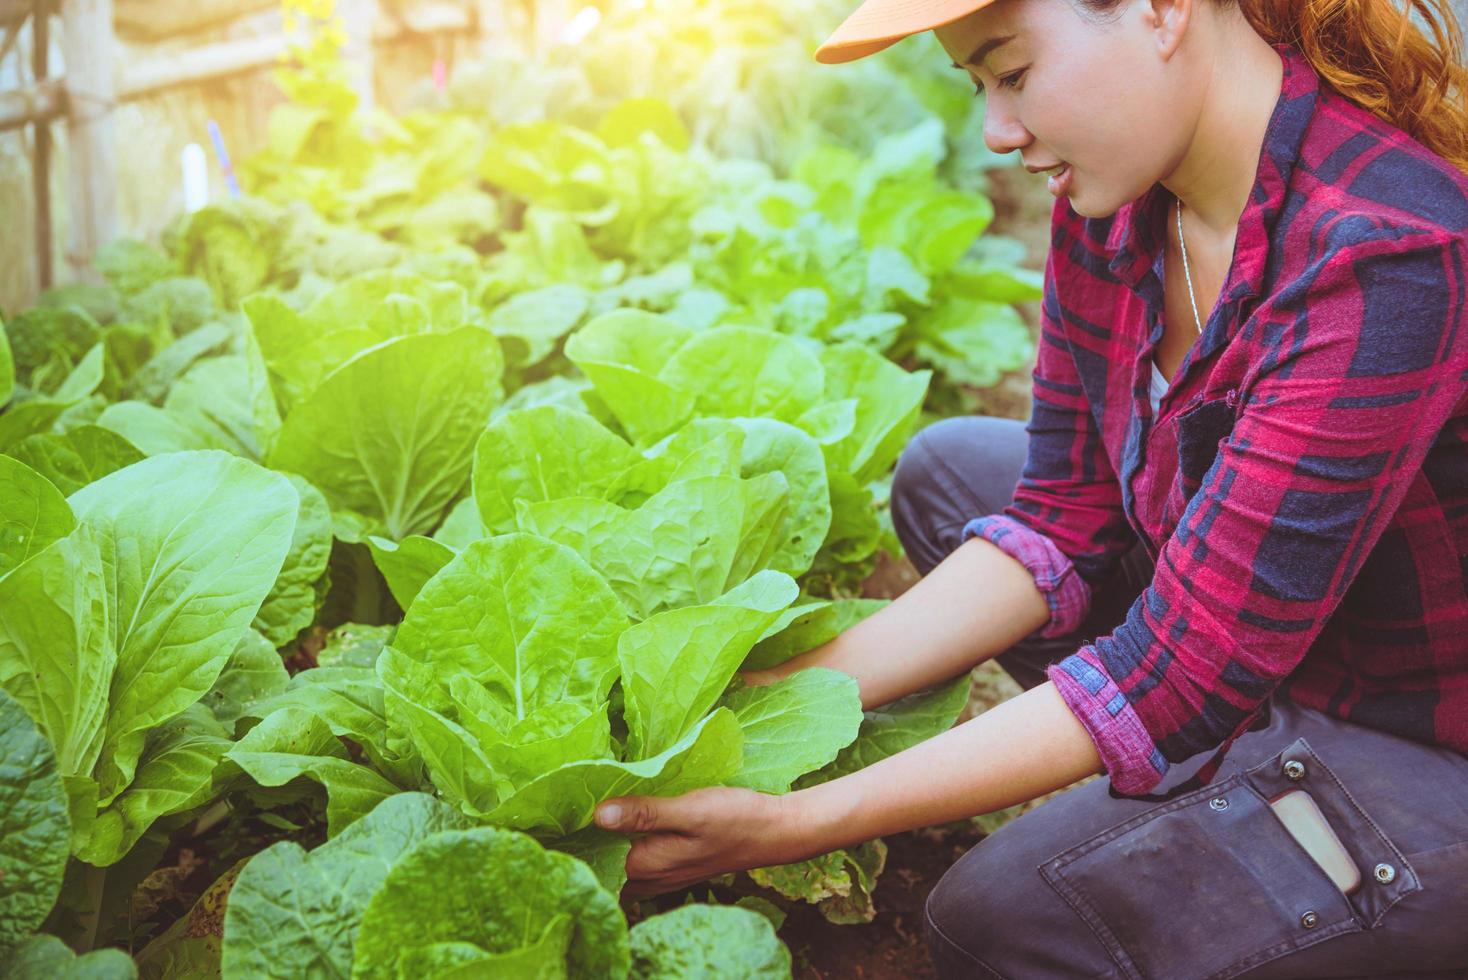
[{"x": 1159, "y": 385}]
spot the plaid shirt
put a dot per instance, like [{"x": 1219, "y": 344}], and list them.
[{"x": 1303, "y": 487}]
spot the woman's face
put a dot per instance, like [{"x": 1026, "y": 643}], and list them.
[{"x": 1105, "y": 98}]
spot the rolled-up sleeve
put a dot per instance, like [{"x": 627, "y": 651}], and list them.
[
  {"x": 1066, "y": 523},
  {"x": 1332, "y": 430}
]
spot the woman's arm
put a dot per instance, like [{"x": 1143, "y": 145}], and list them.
[
  {"x": 1024, "y": 748},
  {"x": 976, "y": 604},
  {"x": 1021, "y": 749}
]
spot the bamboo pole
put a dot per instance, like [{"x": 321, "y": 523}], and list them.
[
  {"x": 202, "y": 64},
  {"x": 90, "y": 52},
  {"x": 361, "y": 18},
  {"x": 14, "y": 11},
  {"x": 41, "y": 159},
  {"x": 206, "y": 63},
  {"x": 21, "y": 107}
]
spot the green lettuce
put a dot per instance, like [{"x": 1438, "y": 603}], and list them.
[
  {"x": 491, "y": 903},
  {"x": 708, "y": 940}
]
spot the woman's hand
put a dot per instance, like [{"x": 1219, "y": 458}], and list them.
[
  {"x": 681, "y": 840},
  {"x": 759, "y": 678}
]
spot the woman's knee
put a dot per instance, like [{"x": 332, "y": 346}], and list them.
[
  {"x": 994, "y": 915},
  {"x": 973, "y": 908},
  {"x": 952, "y": 471}
]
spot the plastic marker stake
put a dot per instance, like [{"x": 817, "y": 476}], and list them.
[
  {"x": 195, "y": 177},
  {"x": 223, "y": 154},
  {"x": 440, "y": 75},
  {"x": 581, "y": 25}
]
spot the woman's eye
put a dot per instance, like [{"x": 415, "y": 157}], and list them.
[{"x": 1008, "y": 81}]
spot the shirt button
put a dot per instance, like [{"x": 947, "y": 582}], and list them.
[
  {"x": 1309, "y": 920},
  {"x": 1218, "y": 803},
  {"x": 1294, "y": 769},
  {"x": 1385, "y": 873}
]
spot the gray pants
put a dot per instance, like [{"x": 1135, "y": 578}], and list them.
[{"x": 1208, "y": 885}]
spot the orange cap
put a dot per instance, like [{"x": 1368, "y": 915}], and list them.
[{"x": 879, "y": 24}]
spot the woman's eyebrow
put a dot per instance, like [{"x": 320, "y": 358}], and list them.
[{"x": 982, "y": 51}]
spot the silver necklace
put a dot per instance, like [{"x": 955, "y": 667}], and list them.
[{"x": 1187, "y": 273}]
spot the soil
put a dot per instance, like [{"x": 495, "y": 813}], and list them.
[{"x": 891, "y": 947}]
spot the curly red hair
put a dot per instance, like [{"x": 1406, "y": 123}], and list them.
[{"x": 1373, "y": 53}]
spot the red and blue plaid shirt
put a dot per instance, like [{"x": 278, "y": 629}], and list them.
[{"x": 1303, "y": 487}]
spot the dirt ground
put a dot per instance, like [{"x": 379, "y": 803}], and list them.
[{"x": 891, "y": 947}]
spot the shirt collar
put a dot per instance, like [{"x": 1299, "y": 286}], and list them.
[{"x": 1137, "y": 237}]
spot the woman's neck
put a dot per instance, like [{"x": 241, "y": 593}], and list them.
[{"x": 1218, "y": 172}]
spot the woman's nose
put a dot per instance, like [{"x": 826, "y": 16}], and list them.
[{"x": 1003, "y": 132}]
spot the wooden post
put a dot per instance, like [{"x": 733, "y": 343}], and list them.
[
  {"x": 360, "y": 17},
  {"x": 41, "y": 160},
  {"x": 91, "y": 92}
]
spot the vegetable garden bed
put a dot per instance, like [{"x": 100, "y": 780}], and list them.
[{"x": 360, "y": 538}]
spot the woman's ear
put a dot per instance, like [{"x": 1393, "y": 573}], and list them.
[{"x": 1168, "y": 21}]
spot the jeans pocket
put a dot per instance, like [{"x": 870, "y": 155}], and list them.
[
  {"x": 1212, "y": 884},
  {"x": 1199, "y": 431}
]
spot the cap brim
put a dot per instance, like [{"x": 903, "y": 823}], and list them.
[{"x": 879, "y": 24}]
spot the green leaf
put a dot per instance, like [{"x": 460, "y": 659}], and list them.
[
  {"x": 253, "y": 673},
  {"x": 48, "y": 958},
  {"x": 350, "y": 702},
  {"x": 194, "y": 957},
  {"x": 353, "y": 645},
  {"x": 535, "y": 321},
  {"x": 561, "y": 802},
  {"x": 293, "y": 914},
  {"x": 678, "y": 548},
  {"x": 973, "y": 341},
  {"x": 420, "y": 713},
  {"x": 771, "y": 446},
  {"x": 7, "y": 367},
  {"x": 840, "y": 882},
  {"x": 165, "y": 368},
  {"x": 174, "y": 774},
  {"x": 38, "y": 414},
  {"x": 131, "y": 266},
  {"x": 462, "y": 526},
  {"x": 33, "y": 513},
  {"x": 888, "y": 400},
  {"x": 56, "y": 652},
  {"x": 499, "y": 891},
  {"x": 389, "y": 434},
  {"x": 814, "y": 626},
  {"x": 623, "y": 353},
  {"x": 676, "y": 664},
  {"x": 76, "y": 457},
  {"x": 522, "y": 616},
  {"x": 35, "y": 831},
  {"x": 743, "y": 371},
  {"x": 708, "y": 941},
  {"x": 631, "y": 119},
  {"x": 604, "y": 851},
  {"x": 190, "y": 544},
  {"x": 544, "y": 453},
  {"x": 794, "y": 726},
  {"x": 291, "y": 605},
  {"x": 896, "y": 726},
  {"x": 408, "y": 564},
  {"x": 292, "y": 743}
]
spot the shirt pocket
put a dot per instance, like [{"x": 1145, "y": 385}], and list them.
[
  {"x": 1199, "y": 431},
  {"x": 1212, "y": 884}
]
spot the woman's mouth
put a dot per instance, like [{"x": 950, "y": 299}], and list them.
[{"x": 1059, "y": 182}]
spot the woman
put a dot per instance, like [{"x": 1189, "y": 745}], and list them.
[{"x": 1235, "y": 530}]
